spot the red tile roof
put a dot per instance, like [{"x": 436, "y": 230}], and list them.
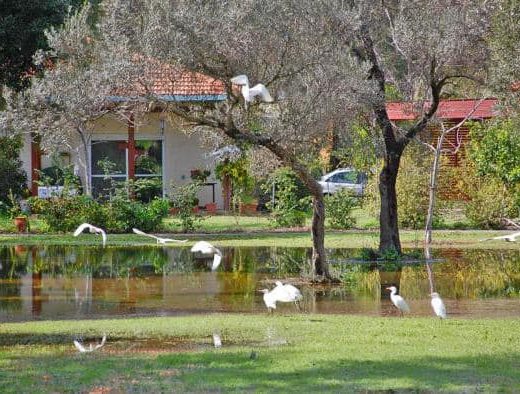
[
  {"x": 171, "y": 83},
  {"x": 448, "y": 109}
]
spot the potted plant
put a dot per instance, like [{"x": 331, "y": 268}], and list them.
[
  {"x": 19, "y": 218},
  {"x": 211, "y": 207},
  {"x": 248, "y": 204}
]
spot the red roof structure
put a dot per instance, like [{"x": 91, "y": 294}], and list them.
[{"x": 448, "y": 109}]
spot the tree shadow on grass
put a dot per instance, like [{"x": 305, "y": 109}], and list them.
[{"x": 265, "y": 370}]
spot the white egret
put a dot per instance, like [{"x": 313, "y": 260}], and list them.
[
  {"x": 92, "y": 229},
  {"x": 208, "y": 249},
  {"x": 250, "y": 93},
  {"x": 269, "y": 299},
  {"x": 287, "y": 293},
  {"x": 438, "y": 305},
  {"x": 158, "y": 239},
  {"x": 281, "y": 293},
  {"x": 91, "y": 347},
  {"x": 509, "y": 237},
  {"x": 398, "y": 301}
]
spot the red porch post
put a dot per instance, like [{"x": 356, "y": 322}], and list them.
[
  {"x": 131, "y": 147},
  {"x": 36, "y": 164}
]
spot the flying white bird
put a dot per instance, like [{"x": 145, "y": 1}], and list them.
[
  {"x": 91, "y": 347},
  {"x": 158, "y": 239},
  {"x": 208, "y": 249},
  {"x": 438, "y": 306},
  {"x": 250, "y": 93},
  {"x": 398, "y": 301},
  {"x": 92, "y": 229},
  {"x": 509, "y": 237}
]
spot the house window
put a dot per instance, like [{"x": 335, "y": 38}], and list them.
[
  {"x": 109, "y": 164},
  {"x": 148, "y": 169}
]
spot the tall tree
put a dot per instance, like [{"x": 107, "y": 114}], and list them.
[
  {"x": 417, "y": 48},
  {"x": 22, "y": 26}
]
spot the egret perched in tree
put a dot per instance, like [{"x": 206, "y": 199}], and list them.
[
  {"x": 90, "y": 348},
  {"x": 438, "y": 305},
  {"x": 250, "y": 93},
  {"x": 158, "y": 239},
  {"x": 398, "y": 301},
  {"x": 509, "y": 237},
  {"x": 208, "y": 249},
  {"x": 93, "y": 230}
]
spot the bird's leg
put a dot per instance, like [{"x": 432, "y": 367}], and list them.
[{"x": 297, "y": 304}]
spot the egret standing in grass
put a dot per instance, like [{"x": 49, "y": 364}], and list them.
[
  {"x": 92, "y": 229},
  {"x": 250, "y": 93},
  {"x": 208, "y": 249},
  {"x": 398, "y": 301},
  {"x": 438, "y": 305},
  {"x": 158, "y": 239}
]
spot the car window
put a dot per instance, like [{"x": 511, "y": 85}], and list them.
[{"x": 344, "y": 177}]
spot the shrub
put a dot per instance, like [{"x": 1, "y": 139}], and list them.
[
  {"x": 124, "y": 214},
  {"x": 66, "y": 213},
  {"x": 339, "y": 208},
  {"x": 184, "y": 198},
  {"x": 292, "y": 201}
]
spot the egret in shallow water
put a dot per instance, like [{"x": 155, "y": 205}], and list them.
[
  {"x": 91, "y": 347},
  {"x": 509, "y": 237},
  {"x": 398, "y": 301},
  {"x": 158, "y": 239},
  {"x": 92, "y": 229},
  {"x": 250, "y": 93},
  {"x": 281, "y": 293},
  {"x": 438, "y": 306},
  {"x": 208, "y": 249}
]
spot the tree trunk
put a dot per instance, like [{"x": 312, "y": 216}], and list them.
[
  {"x": 319, "y": 258},
  {"x": 389, "y": 231},
  {"x": 86, "y": 164}
]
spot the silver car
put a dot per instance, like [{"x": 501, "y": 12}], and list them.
[{"x": 349, "y": 178}]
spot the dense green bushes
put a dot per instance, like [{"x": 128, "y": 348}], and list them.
[
  {"x": 119, "y": 215},
  {"x": 338, "y": 207}
]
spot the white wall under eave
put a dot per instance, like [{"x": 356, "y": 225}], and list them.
[{"x": 25, "y": 156}]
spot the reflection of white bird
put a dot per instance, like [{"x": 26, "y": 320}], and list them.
[
  {"x": 250, "y": 93},
  {"x": 509, "y": 237},
  {"x": 438, "y": 306},
  {"x": 398, "y": 301},
  {"x": 208, "y": 249},
  {"x": 158, "y": 239},
  {"x": 92, "y": 229},
  {"x": 91, "y": 348},
  {"x": 217, "y": 342}
]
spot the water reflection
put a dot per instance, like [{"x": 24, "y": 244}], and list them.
[{"x": 55, "y": 282}]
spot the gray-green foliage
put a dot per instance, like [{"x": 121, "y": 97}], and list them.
[
  {"x": 12, "y": 177},
  {"x": 292, "y": 202},
  {"x": 183, "y": 198},
  {"x": 339, "y": 207}
]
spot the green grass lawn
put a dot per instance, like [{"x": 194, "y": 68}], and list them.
[
  {"x": 260, "y": 353},
  {"x": 333, "y": 239}
]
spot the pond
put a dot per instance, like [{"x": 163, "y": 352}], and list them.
[{"x": 64, "y": 282}]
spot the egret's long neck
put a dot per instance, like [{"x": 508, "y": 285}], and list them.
[{"x": 393, "y": 292}]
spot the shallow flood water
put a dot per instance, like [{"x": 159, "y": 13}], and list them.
[{"x": 63, "y": 282}]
